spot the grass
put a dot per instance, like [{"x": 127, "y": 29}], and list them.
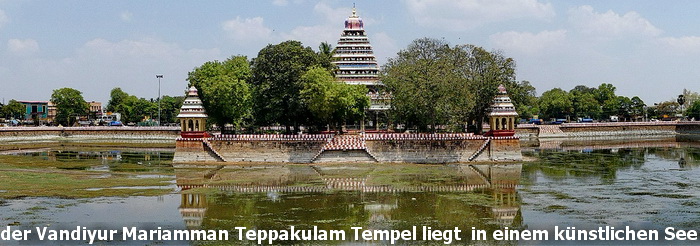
[{"x": 74, "y": 184}]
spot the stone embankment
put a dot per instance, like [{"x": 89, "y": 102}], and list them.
[
  {"x": 313, "y": 148},
  {"x": 610, "y": 130},
  {"x": 95, "y": 132}
]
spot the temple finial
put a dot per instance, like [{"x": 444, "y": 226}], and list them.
[{"x": 354, "y": 12}]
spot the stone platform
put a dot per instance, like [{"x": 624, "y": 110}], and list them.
[{"x": 370, "y": 147}]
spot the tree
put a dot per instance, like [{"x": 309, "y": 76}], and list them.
[
  {"x": 422, "y": 79},
  {"x": 224, "y": 90},
  {"x": 435, "y": 84},
  {"x": 13, "y": 109},
  {"x": 693, "y": 110},
  {"x": 637, "y": 107},
  {"x": 332, "y": 102},
  {"x": 277, "y": 81},
  {"x": 604, "y": 92},
  {"x": 555, "y": 103},
  {"x": 170, "y": 108},
  {"x": 69, "y": 104},
  {"x": 667, "y": 109},
  {"x": 584, "y": 104},
  {"x": 325, "y": 55},
  {"x": 523, "y": 95}
]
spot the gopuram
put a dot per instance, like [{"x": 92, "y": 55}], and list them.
[{"x": 357, "y": 65}]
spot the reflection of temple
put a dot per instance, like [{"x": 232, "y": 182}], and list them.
[
  {"x": 193, "y": 207},
  {"x": 379, "y": 195}
]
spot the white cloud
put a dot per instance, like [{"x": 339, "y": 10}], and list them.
[
  {"x": 100, "y": 64},
  {"x": 3, "y": 18},
  {"x": 249, "y": 29},
  {"x": 687, "y": 44},
  {"x": 336, "y": 15},
  {"x": 384, "y": 46},
  {"x": 611, "y": 24},
  {"x": 126, "y": 16},
  {"x": 526, "y": 42},
  {"x": 468, "y": 14},
  {"x": 22, "y": 47},
  {"x": 280, "y": 2}
]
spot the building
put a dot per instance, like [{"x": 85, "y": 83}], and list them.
[
  {"x": 36, "y": 110},
  {"x": 193, "y": 117},
  {"x": 357, "y": 64},
  {"x": 503, "y": 116},
  {"x": 94, "y": 110}
]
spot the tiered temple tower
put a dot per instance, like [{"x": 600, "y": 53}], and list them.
[
  {"x": 193, "y": 117},
  {"x": 503, "y": 116},
  {"x": 357, "y": 64}
]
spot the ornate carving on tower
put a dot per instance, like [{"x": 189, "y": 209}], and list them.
[
  {"x": 503, "y": 116},
  {"x": 356, "y": 62},
  {"x": 193, "y": 117}
]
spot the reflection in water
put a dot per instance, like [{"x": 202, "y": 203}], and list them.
[
  {"x": 339, "y": 197},
  {"x": 642, "y": 186}
]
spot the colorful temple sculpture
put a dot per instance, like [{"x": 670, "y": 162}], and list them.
[
  {"x": 503, "y": 116},
  {"x": 357, "y": 64},
  {"x": 193, "y": 117}
]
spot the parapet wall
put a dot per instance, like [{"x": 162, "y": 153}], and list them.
[
  {"x": 608, "y": 129},
  {"x": 408, "y": 148},
  {"x": 31, "y": 133}
]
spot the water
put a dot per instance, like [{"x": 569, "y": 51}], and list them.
[{"x": 651, "y": 185}]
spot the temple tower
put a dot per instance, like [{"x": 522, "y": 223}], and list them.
[
  {"x": 193, "y": 117},
  {"x": 503, "y": 116},
  {"x": 357, "y": 64}
]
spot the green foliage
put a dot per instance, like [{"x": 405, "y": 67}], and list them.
[
  {"x": 523, "y": 96},
  {"x": 69, "y": 104},
  {"x": 693, "y": 110},
  {"x": 435, "y": 84},
  {"x": 584, "y": 103},
  {"x": 277, "y": 75},
  {"x": 604, "y": 92},
  {"x": 325, "y": 55},
  {"x": 13, "y": 109},
  {"x": 332, "y": 102},
  {"x": 134, "y": 109},
  {"x": 224, "y": 90},
  {"x": 555, "y": 103},
  {"x": 170, "y": 108},
  {"x": 667, "y": 109}
]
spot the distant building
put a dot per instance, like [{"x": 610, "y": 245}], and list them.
[
  {"x": 95, "y": 110},
  {"x": 95, "y": 107},
  {"x": 35, "y": 110},
  {"x": 51, "y": 112}
]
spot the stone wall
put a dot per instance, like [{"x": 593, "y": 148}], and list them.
[
  {"x": 191, "y": 150},
  {"x": 394, "y": 150},
  {"x": 295, "y": 151},
  {"x": 423, "y": 151},
  {"x": 505, "y": 149},
  {"x": 609, "y": 130},
  {"x": 37, "y": 133}
]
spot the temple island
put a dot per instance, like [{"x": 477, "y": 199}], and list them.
[
  {"x": 357, "y": 65},
  {"x": 197, "y": 145}
]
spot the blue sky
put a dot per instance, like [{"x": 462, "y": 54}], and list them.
[{"x": 645, "y": 48}]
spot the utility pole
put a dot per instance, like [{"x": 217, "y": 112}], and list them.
[{"x": 159, "y": 76}]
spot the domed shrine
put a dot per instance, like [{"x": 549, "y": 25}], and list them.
[
  {"x": 503, "y": 116},
  {"x": 193, "y": 117}
]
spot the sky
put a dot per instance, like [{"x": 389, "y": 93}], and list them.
[{"x": 645, "y": 48}]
